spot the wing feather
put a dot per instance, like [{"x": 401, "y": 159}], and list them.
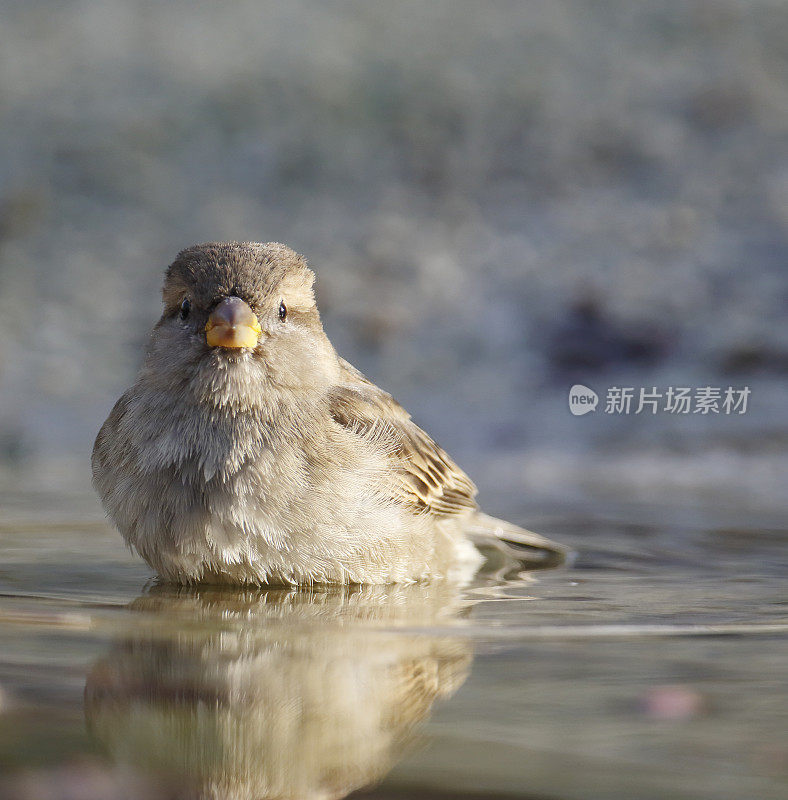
[{"x": 428, "y": 480}]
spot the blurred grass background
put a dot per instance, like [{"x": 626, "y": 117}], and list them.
[{"x": 500, "y": 199}]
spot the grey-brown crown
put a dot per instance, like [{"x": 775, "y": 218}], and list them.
[{"x": 250, "y": 270}]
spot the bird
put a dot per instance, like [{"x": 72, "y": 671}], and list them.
[{"x": 248, "y": 452}]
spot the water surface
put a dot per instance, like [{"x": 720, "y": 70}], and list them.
[{"x": 653, "y": 665}]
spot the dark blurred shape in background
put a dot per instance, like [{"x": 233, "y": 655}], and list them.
[
  {"x": 500, "y": 200},
  {"x": 585, "y": 340}
]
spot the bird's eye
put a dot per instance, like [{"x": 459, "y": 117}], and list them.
[
  {"x": 282, "y": 311},
  {"x": 186, "y": 307}
]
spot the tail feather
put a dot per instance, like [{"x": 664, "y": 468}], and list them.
[{"x": 530, "y": 550}]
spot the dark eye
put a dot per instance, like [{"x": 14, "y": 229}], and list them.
[
  {"x": 282, "y": 311},
  {"x": 186, "y": 307}
]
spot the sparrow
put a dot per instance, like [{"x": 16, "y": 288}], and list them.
[{"x": 248, "y": 452}]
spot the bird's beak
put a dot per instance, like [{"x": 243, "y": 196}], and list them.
[{"x": 232, "y": 324}]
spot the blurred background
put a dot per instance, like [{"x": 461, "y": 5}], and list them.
[{"x": 500, "y": 200}]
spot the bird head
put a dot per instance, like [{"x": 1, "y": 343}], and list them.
[{"x": 242, "y": 313}]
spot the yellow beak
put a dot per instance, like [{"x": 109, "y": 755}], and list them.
[{"x": 232, "y": 324}]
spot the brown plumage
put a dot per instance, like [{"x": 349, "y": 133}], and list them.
[
  {"x": 248, "y": 451},
  {"x": 429, "y": 481}
]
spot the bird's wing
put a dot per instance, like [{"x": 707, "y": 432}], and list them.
[{"x": 428, "y": 480}]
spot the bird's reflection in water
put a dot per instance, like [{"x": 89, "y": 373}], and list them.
[{"x": 275, "y": 693}]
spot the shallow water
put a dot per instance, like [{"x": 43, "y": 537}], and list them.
[{"x": 653, "y": 665}]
